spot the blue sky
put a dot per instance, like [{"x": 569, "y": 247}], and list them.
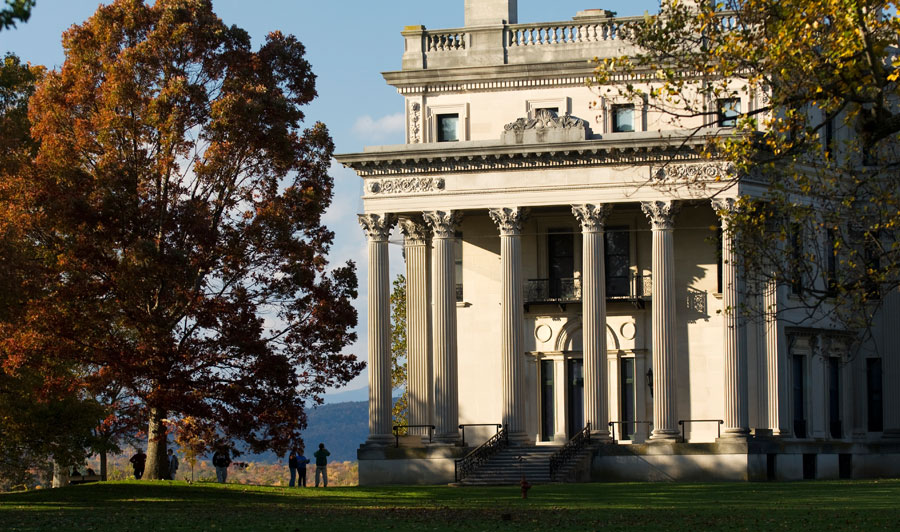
[{"x": 349, "y": 43}]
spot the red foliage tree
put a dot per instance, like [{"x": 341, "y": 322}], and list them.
[{"x": 181, "y": 203}]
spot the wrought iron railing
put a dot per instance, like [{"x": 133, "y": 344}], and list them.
[
  {"x": 462, "y": 428},
  {"x": 718, "y": 422},
  {"x": 569, "y": 451},
  {"x": 398, "y": 427},
  {"x": 568, "y": 289},
  {"x": 468, "y": 464}
]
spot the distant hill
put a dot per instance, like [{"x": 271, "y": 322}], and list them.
[
  {"x": 342, "y": 427},
  {"x": 359, "y": 394}
]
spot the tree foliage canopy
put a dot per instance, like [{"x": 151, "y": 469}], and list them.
[
  {"x": 178, "y": 201},
  {"x": 15, "y": 10},
  {"x": 816, "y": 137}
]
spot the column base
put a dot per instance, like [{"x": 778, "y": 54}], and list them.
[
  {"x": 735, "y": 433},
  {"x": 891, "y": 433},
  {"x": 380, "y": 440},
  {"x": 665, "y": 436}
]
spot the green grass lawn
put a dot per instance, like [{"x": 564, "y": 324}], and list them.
[{"x": 155, "y": 506}]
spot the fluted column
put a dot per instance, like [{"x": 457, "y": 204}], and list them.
[
  {"x": 512, "y": 326},
  {"x": 378, "y": 229},
  {"x": 446, "y": 408},
  {"x": 418, "y": 324},
  {"x": 776, "y": 362},
  {"x": 890, "y": 364},
  {"x": 662, "y": 318},
  {"x": 737, "y": 419},
  {"x": 593, "y": 290}
]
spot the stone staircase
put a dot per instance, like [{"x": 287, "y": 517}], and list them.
[{"x": 509, "y": 464}]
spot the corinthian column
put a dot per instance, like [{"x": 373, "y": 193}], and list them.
[
  {"x": 378, "y": 228},
  {"x": 446, "y": 408},
  {"x": 662, "y": 317},
  {"x": 593, "y": 279},
  {"x": 512, "y": 326},
  {"x": 418, "y": 323},
  {"x": 737, "y": 420}
]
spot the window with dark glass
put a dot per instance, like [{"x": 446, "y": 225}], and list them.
[
  {"x": 623, "y": 118},
  {"x": 548, "y": 428},
  {"x": 575, "y": 393},
  {"x": 561, "y": 263},
  {"x": 720, "y": 263},
  {"x": 627, "y": 398},
  {"x": 618, "y": 261},
  {"x": 874, "y": 395},
  {"x": 829, "y": 136},
  {"x": 798, "y": 394},
  {"x": 728, "y": 109},
  {"x": 796, "y": 260},
  {"x": 834, "y": 396},
  {"x": 458, "y": 264},
  {"x": 830, "y": 263},
  {"x": 448, "y": 128}
]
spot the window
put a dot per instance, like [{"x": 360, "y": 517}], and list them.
[
  {"x": 548, "y": 394},
  {"x": 720, "y": 262},
  {"x": 618, "y": 262},
  {"x": 448, "y": 127},
  {"x": 796, "y": 260},
  {"x": 874, "y": 395},
  {"x": 458, "y": 266},
  {"x": 829, "y": 137},
  {"x": 622, "y": 118},
  {"x": 628, "y": 393},
  {"x": 799, "y": 395},
  {"x": 830, "y": 263},
  {"x": 834, "y": 396},
  {"x": 728, "y": 111},
  {"x": 561, "y": 263}
]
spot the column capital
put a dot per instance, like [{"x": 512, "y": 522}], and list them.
[
  {"x": 443, "y": 223},
  {"x": 377, "y": 226},
  {"x": 509, "y": 219},
  {"x": 414, "y": 229},
  {"x": 661, "y": 213},
  {"x": 591, "y": 217},
  {"x": 724, "y": 206}
]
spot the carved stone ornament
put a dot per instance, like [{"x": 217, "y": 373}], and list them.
[
  {"x": 591, "y": 217},
  {"x": 406, "y": 185},
  {"x": 377, "y": 226},
  {"x": 724, "y": 205},
  {"x": 544, "y": 119},
  {"x": 661, "y": 213},
  {"x": 509, "y": 219},
  {"x": 415, "y": 230},
  {"x": 695, "y": 172},
  {"x": 443, "y": 223},
  {"x": 415, "y": 118}
]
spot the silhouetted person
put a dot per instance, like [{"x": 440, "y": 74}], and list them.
[
  {"x": 221, "y": 460},
  {"x": 173, "y": 465},
  {"x": 138, "y": 461},
  {"x": 301, "y": 469},
  {"x": 322, "y": 465}
]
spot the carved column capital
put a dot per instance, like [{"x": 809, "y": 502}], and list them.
[
  {"x": 509, "y": 219},
  {"x": 724, "y": 206},
  {"x": 591, "y": 217},
  {"x": 415, "y": 230},
  {"x": 661, "y": 213},
  {"x": 377, "y": 226},
  {"x": 443, "y": 223}
]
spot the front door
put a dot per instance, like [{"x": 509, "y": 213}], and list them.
[{"x": 575, "y": 393}]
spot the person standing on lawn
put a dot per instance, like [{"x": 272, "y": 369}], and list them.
[
  {"x": 322, "y": 465},
  {"x": 173, "y": 465},
  {"x": 137, "y": 462},
  {"x": 301, "y": 469},
  {"x": 292, "y": 465},
  {"x": 221, "y": 460}
]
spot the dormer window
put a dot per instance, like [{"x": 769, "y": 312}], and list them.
[
  {"x": 448, "y": 127},
  {"x": 623, "y": 118}
]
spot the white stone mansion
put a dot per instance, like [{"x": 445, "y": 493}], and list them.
[{"x": 555, "y": 291}]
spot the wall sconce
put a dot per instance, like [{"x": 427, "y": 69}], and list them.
[{"x": 650, "y": 380}]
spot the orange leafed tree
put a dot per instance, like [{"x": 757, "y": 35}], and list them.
[{"x": 179, "y": 198}]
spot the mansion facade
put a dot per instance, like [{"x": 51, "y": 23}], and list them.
[{"x": 570, "y": 287}]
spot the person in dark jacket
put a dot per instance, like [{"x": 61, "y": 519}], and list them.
[
  {"x": 221, "y": 460},
  {"x": 301, "y": 469},
  {"x": 292, "y": 465},
  {"x": 137, "y": 462},
  {"x": 322, "y": 465}
]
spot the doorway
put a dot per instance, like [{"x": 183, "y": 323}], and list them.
[{"x": 575, "y": 394}]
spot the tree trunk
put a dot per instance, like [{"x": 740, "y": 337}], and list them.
[
  {"x": 60, "y": 476},
  {"x": 157, "y": 468},
  {"x": 103, "y": 465}
]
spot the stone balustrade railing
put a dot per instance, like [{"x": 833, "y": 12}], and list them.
[
  {"x": 556, "y": 33},
  {"x": 444, "y": 41}
]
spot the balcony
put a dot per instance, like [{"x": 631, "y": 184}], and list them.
[{"x": 634, "y": 289}]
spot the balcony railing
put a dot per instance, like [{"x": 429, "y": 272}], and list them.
[{"x": 568, "y": 289}]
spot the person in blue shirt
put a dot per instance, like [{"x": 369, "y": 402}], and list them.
[{"x": 301, "y": 469}]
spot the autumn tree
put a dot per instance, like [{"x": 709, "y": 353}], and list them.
[
  {"x": 398, "y": 351},
  {"x": 819, "y": 129},
  {"x": 15, "y": 10},
  {"x": 181, "y": 200}
]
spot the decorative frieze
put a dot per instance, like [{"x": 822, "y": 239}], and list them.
[
  {"x": 406, "y": 185},
  {"x": 717, "y": 171},
  {"x": 545, "y": 127},
  {"x": 415, "y": 127}
]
